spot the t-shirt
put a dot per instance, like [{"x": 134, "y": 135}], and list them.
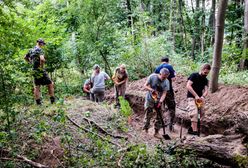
[
  {"x": 171, "y": 70},
  {"x": 199, "y": 83},
  {"x": 120, "y": 76},
  {"x": 87, "y": 84},
  {"x": 34, "y": 55},
  {"x": 158, "y": 85},
  {"x": 99, "y": 80}
]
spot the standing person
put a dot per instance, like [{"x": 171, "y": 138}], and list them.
[
  {"x": 170, "y": 97},
  {"x": 36, "y": 57},
  {"x": 120, "y": 79},
  {"x": 98, "y": 79},
  {"x": 86, "y": 89},
  {"x": 158, "y": 84},
  {"x": 197, "y": 87}
]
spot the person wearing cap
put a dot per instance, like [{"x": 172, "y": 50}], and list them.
[
  {"x": 36, "y": 57},
  {"x": 98, "y": 79},
  {"x": 159, "y": 84},
  {"x": 170, "y": 97},
  {"x": 120, "y": 79},
  {"x": 197, "y": 87}
]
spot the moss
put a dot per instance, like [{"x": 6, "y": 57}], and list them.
[{"x": 242, "y": 161}]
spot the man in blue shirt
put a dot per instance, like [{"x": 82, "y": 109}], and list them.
[{"x": 170, "y": 98}]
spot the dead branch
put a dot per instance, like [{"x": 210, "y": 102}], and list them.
[
  {"x": 22, "y": 159},
  {"x": 103, "y": 130},
  {"x": 86, "y": 130},
  {"x": 30, "y": 162}
]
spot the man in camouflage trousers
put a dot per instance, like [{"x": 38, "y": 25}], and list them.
[
  {"x": 36, "y": 57},
  {"x": 170, "y": 97},
  {"x": 157, "y": 84}
]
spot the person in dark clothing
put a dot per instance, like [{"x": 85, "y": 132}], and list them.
[
  {"x": 197, "y": 87},
  {"x": 36, "y": 57},
  {"x": 170, "y": 97}
]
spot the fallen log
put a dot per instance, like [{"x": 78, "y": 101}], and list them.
[{"x": 218, "y": 148}]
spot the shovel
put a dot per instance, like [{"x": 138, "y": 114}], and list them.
[
  {"x": 158, "y": 110},
  {"x": 199, "y": 103}
]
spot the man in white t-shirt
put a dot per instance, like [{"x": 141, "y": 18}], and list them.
[{"x": 98, "y": 78}]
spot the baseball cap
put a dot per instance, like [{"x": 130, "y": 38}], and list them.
[
  {"x": 96, "y": 66},
  {"x": 41, "y": 41}
]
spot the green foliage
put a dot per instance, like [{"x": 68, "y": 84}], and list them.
[
  {"x": 126, "y": 110},
  {"x": 241, "y": 160}
]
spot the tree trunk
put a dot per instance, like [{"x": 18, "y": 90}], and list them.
[
  {"x": 184, "y": 35},
  {"x": 203, "y": 30},
  {"x": 218, "y": 45},
  {"x": 129, "y": 12},
  {"x": 212, "y": 21},
  {"x": 172, "y": 26},
  {"x": 218, "y": 148},
  {"x": 195, "y": 37},
  {"x": 243, "y": 65}
]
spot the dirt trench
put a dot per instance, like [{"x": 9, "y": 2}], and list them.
[{"x": 224, "y": 125}]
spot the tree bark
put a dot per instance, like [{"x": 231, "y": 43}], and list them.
[
  {"x": 195, "y": 37},
  {"x": 203, "y": 30},
  {"x": 182, "y": 22},
  {"x": 212, "y": 21},
  {"x": 218, "y": 45},
  {"x": 243, "y": 65},
  {"x": 218, "y": 148}
]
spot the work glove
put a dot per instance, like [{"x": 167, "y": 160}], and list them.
[{"x": 159, "y": 105}]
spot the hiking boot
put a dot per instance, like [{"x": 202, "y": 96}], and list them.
[
  {"x": 157, "y": 135},
  {"x": 52, "y": 99},
  {"x": 190, "y": 131},
  {"x": 38, "y": 102},
  {"x": 146, "y": 131},
  {"x": 171, "y": 128},
  {"x": 117, "y": 106}
]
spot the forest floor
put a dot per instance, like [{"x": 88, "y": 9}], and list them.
[
  {"x": 74, "y": 126},
  {"x": 224, "y": 111}
]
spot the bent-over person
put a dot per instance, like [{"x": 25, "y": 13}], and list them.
[
  {"x": 159, "y": 84},
  {"x": 120, "y": 79},
  {"x": 197, "y": 87}
]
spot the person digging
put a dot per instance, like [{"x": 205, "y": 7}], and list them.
[
  {"x": 120, "y": 79},
  {"x": 197, "y": 87},
  {"x": 156, "y": 84}
]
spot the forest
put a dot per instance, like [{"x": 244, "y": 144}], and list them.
[{"x": 76, "y": 36}]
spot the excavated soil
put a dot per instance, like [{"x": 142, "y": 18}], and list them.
[{"x": 223, "y": 109}]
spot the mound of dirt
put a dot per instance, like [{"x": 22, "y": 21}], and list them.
[{"x": 223, "y": 109}]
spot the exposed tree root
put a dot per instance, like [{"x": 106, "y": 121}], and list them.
[
  {"x": 103, "y": 130},
  {"x": 86, "y": 130}
]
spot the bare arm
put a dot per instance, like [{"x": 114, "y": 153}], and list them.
[
  {"x": 163, "y": 96},
  {"x": 173, "y": 79},
  {"x": 148, "y": 87},
  {"x": 191, "y": 90},
  {"x": 86, "y": 90},
  {"x": 205, "y": 93},
  {"x": 42, "y": 60}
]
